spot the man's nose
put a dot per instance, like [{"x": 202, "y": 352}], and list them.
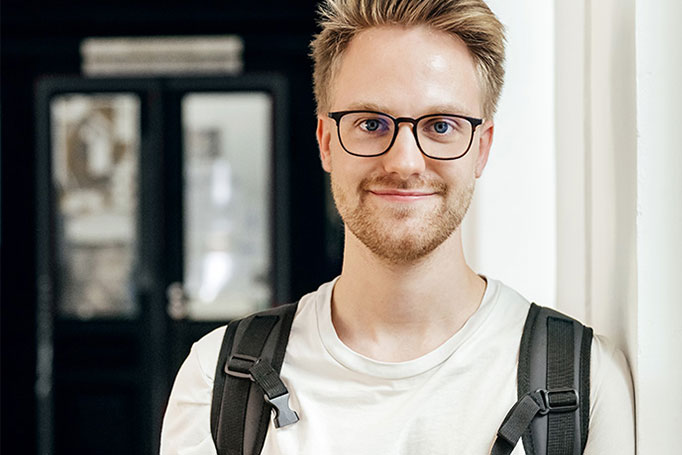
[{"x": 404, "y": 157}]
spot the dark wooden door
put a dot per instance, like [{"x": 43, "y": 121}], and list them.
[{"x": 162, "y": 214}]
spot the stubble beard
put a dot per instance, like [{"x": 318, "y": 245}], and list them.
[{"x": 402, "y": 235}]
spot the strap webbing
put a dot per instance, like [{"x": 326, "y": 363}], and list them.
[
  {"x": 585, "y": 355},
  {"x": 524, "y": 368},
  {"x": 554, "y": 402},
  {"x": 219, "y": 379},
  {"x": 253, "y": 349},
  {"x": 560, "y": 375},
  {"x": 516, "y": 422},
  {"x": 268, "y": 379},
  {"x": 236, "y": 390}
]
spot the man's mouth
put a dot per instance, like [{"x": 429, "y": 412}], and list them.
[
  {"x": 402, "y": 191},
  {"x": 397, "y": 195}
]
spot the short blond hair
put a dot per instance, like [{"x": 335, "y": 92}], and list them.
[{"x": 470, "y": 20}]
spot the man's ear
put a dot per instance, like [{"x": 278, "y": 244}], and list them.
[
  {"x": 323, "y": 142},
  {"x": 485, "y": 141}
]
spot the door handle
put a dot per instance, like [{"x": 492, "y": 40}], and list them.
[{"x": 177, "y": 301}]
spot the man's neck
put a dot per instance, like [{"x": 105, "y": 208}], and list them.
[{"x": 398, "y": 312}]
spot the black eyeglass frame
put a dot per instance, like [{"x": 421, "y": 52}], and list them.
[{"x": 338, "y": 115}]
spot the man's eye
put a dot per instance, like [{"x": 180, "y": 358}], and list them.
[
  {"x": 441, "y": 127},
  {"x": 371, "y": 125}
]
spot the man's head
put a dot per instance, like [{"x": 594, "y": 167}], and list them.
[
  {"x": 470, "y": 20},
  {"x": 403, "y": 180}
]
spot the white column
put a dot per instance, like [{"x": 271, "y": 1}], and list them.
[
  {"x": 612, "y": 171},
  {"x": 572, "y": 139},
  {"x": 596, "y": 165},
  {"x": 619, "y": 192},
  {"x": 658, "y": 369}
]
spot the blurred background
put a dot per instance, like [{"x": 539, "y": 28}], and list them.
[{"x": 160, "y": 176}]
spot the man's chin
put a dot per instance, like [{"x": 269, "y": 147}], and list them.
[
  {"x": 401, "y": 252},
  {"x": 399, "y": 243}
]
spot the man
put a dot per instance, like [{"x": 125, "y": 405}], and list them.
[{"x": 409, "y": 351}]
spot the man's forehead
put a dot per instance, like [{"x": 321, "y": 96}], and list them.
[{"x": 394, "y": 69}]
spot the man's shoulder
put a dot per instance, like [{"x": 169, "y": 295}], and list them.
[
  {"x": 609, "y": 365},
  {"x": 207, "y": 349},
  {"x": 506, "y": 305}
]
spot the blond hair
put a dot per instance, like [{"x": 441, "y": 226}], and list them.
[{"x": 470, "y": 20}]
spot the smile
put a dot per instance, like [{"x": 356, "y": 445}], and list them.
[{"x": 394, "y": 195}]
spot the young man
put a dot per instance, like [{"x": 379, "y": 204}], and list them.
[{"x": 408, "y": 351}]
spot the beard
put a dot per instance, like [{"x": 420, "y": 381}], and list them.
[{"x": 402, "y": 234}]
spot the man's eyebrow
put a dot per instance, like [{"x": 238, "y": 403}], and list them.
[
  {"x": 451, "y": 109},
  {"x": 436, "y": 109},
  {"x": 367, "y": 107}
]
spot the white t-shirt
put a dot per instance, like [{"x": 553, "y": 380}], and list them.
[{"x": 450, "y": 401}]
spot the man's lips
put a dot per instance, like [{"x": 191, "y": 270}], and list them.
[{"x": 401, "y": 195}]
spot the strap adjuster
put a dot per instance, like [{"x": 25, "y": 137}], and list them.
[
  {"x": 239, "y": 365},
  {"x": 276, "y": 394},
  {"x": 558, "y": 400}
]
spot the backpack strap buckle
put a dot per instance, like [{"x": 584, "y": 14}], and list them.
[
  {"x": 275, "y": 392},
  {"x": 239, "y": 366},
  {"x": 238, "y": 411},
  {"x": 284, "y": 415},
  {"x": 559, "y": 400}
]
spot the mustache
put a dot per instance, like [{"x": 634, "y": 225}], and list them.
[{"x": 388, "y": 181}]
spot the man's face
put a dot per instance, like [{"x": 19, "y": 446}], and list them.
[{"x": 402, "y": 205}]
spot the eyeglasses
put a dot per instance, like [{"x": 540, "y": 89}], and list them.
[{"x": 438, "y": 136}]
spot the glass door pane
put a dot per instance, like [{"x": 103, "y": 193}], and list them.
[
  {"x": 95, "y": 161},
  {"x": 227, "y": 203}
]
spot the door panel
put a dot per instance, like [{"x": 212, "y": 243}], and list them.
[
  {"x": 162, "y": 214},
  {"x": 95, "y": 167},
  {"x": 227, "y": 249}
]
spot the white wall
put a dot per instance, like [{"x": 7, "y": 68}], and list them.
[
  {"x": 554, "y": 215},
  {"x": 581, "y": 204},
  {"x": 658, "y": 369},
  {"x": 572, "y": 127},
  {"x": 612, "y": 207},
  {"x": 597, "y": 165},
  {"x": 619, "y": 192},
  {"x": 509, "y": 233}
]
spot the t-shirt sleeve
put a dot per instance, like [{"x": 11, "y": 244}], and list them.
[
  {"x": 612, "y": 419},
  {"x": 186, "y": 426}
]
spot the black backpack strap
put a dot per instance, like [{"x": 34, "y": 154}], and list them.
[
  {"x": 247, "y": 385},
  {"x": 552, "y": 414}
]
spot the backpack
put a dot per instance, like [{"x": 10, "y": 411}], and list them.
[{"x": 551, "y": 414}]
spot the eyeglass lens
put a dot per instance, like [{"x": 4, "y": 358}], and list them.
[{"x": 439, "y": 136}]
